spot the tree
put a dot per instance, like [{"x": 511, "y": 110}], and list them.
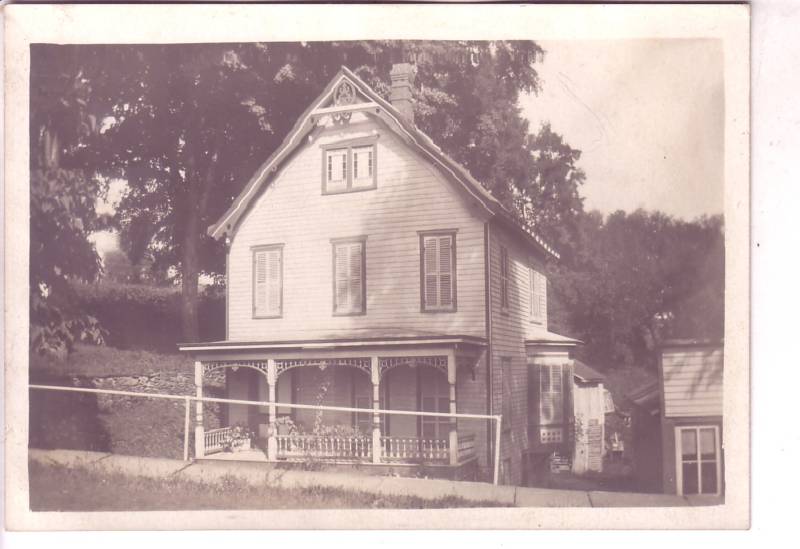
[
  {"x": 187, "y": 125},
  {"x": 61, "y": 205},
  {"x": 639, "y": 278}
]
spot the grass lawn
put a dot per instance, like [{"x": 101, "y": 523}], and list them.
[{"x": 59, "y": 488}]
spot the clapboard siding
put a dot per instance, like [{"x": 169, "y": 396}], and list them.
[
  {"x": 411, "y": 197},
  {"x": 510, "y": 327},
  {"x": 692, "y": 383}
]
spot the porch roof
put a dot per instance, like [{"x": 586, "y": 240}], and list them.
[{"x": 365, "y": 338}]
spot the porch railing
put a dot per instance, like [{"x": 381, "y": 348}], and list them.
[
  {"x": 466, "y": 448},
  {"x": 215, "y": 439},
  {"x": 324, "y": 447},
  {"x": 410, "y": 448}
]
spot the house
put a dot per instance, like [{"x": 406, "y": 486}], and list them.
[
  {"x": 367, "y": 269},
  {"x": 678, "y": 424}
]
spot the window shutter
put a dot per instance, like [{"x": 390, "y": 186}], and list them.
[
  {"x": 260, "y": 284},
  {"x": 533, "y": 395},
  {"x": 342, "y": 262},
  {"x": 274, "y": 282},
  {"x": 566, "y": 399},
  {"x": 431, "y": 271},
  {"x": 356, "y": 277},
  {"x": 541, "y": 296},
  {"x": 445, "y": 271},
  {"x": 267, "y": 285}
]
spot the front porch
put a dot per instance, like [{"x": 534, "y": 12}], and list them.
[
  {"x": 337, "y": 406},
  {"x": 344, "y": 450}
]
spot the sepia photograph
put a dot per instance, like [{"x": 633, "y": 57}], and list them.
[{"x": 381, "y": 273}]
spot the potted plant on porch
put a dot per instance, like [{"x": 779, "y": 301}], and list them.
[{"x": 239, "y": 438}]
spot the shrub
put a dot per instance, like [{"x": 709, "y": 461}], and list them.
[{"x": 138, "y": 316}]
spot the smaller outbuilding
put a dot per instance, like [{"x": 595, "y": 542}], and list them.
[
  {"x": 590, "y": 403},
  {"x": 678, "y": 421}
]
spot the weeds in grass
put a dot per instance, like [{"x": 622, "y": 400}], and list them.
[{"x": 55, "y": 487}]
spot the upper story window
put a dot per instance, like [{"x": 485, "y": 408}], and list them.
[
  {"x": 438, "y": 271},
  {"x": 538, "y": 296},
  {"x": 350, "y": 165},
  {"x": 268, "y": 281},
  {"x": 504, "y": 269},
  {"x": 349, "y": 276}
]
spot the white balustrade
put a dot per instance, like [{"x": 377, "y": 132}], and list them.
[
  {"x": 414, "y": 449},
  {"x": 324, "y": 447},
  {"x": 215, "y": 439}
]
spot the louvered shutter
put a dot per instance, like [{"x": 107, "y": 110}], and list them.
[
  {"x": 557, "y": 389},
  {"x": 541, "y": 296},
  {"x": 342, "y": 264},
  {"x": 267, "y": 286},
  {"x": 274, "y": 282},
  {"x": 431, "y": 272},
  {"x": 349, "y": 277},
  {"x": 533, "y": 395},
  {"x": 260, "y": 283},
  {"x": 445, "y": 271},
  {"x": 356, "y": 278}
]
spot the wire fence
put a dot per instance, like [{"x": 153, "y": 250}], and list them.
[{"x": 188, "y": 400}]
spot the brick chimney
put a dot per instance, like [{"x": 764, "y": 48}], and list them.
[{"x": 402, "y": 75}]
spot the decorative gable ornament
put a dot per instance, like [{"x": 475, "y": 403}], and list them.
[{"x": 345, "y": 95}]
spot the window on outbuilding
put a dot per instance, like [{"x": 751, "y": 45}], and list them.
[
  {"x": 349, "y": 277},
  {"x": 698, "y": 450},
  {"x": 268, "y": 281},
  {"x": 438, "y": 271}
]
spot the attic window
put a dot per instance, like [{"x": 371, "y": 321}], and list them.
[{"x": 349, "y": 166}]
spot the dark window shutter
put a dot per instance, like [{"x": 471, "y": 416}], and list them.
[{"x": 568, "y": 401}]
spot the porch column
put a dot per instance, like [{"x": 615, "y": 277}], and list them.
[
  {"x": 199, "y": 432},
  {"x": 451, "y": 380},
  {"x": 272, "y": 381},
  {"x": 375, "y": 374}
]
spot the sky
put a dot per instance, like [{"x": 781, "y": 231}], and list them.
[{"x": 648, "y": 116}]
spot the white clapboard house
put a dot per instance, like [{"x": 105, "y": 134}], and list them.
[{"x": 368, "y": 269}]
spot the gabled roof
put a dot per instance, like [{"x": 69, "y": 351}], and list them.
[{"x": 454, "y": 171}]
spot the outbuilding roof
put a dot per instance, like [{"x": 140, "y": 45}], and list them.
[
  {"x": 413, "y": 136},
  {"x": 587, "y": 374}
]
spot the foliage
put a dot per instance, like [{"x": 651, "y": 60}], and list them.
[
  {"x": 56, "y": 487},
  {"x": 62, "y": 217},
  {"x": 104, "y": 361},
  {"x": 236, "y": 437},
  {"x": 638, "y": 279},
  {"x": 187, "y": 125},
  {"x": 62, "y": 199},
  {"x": 145, "y": 316}
]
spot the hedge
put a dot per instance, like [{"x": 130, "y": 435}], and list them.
[{"x": 138, "y": 316}]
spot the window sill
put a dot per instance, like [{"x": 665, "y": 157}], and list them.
[
  {"x": 357, "y": 313},
  {"x": 326, "y": 192},
  {"x": 438, "y": 311}
]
